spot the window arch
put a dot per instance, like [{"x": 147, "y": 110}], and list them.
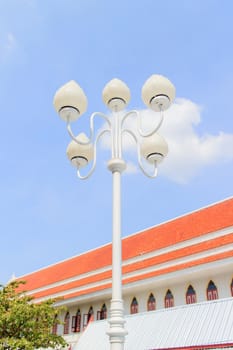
[
  {"x": 169, "y": 299},
  {"x": 212, "y": 292},
  {"x": 88, "y": 317},
  {"x": 151, "y": 302},
  {"x": 76, "y": 322},
  {"x": 67, "y": 323},
  {"x": 54, "y": 327},
  {"x": 232, "y": 287},
  {"x": 90, "y": 314},
  {"x": 102, "y": 314},
  {"x": 134, "y": 306},
  {"x": 191, "y": 295}
]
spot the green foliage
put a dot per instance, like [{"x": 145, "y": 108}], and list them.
[{"x": 25, "y": 325}]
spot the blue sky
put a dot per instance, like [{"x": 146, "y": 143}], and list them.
[{"x": 47, "y": 214}]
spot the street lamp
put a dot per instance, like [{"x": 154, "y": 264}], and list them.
[{"x": 70, "y": 102}]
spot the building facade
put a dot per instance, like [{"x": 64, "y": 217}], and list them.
[{"x": 186, "y": 260}]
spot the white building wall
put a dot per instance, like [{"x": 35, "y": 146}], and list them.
[{"x": 221, "y": 279}]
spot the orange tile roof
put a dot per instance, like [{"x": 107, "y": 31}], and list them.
[
  {"x": 147, "y": 275},
  {"x": 145, "y": 263},
  {"x": 195, "y": 224}
]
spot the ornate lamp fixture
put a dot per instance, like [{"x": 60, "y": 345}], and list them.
[{"x": 70, "y": 103}]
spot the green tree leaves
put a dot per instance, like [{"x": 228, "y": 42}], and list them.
[{"x": 25, "y": 325}]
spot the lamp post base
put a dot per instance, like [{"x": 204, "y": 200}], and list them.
[{"x": 117, "y": 332}]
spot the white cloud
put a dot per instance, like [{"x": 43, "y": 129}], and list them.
[
  {"x": 10, "y": 41},
  {"x": 189, "y": 152},
  {"x": 7, "y": 46},
  {"x": 131, "y": 168}
]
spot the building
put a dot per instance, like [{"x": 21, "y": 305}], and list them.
[{"x": 187, "y": 260}]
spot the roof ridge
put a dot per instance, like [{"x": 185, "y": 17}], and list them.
[{"x": 180, "y": 216}]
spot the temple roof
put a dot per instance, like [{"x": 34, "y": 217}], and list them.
[{"x": 167, "y": 242}]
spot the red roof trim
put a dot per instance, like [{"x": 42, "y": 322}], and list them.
[
  {"x": 183, "y": 266},
  {"x": 198, "y": 347},
  {"x": 180, "y": 253}
]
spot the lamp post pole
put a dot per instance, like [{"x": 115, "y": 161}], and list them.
[
  {"x": 116, "y": 165},
  {"x": 116, "y": 332},
  {"x": 70, "y": 102}
]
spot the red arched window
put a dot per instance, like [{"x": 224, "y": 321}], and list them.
[
  {"x": 151, "y": 303},
  {"x": 191, "y": 295},
  {"x": 102, "y": 314},
  {"x": 212, "y": 292},
  {"x": 134, "y": 306},
  {"x": 67, "y": 323},
  {"x": 76, "y": 322},
  {"x": 232, "y": 287},
  {"x": 88, "y": 317},
  {"x": 169, "y": 299}
]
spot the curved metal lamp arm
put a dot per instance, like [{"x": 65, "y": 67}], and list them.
[
  {"x": 161, "y": 118},
  {"x": 134, "y": 111},
  {"x": 155, "y": 172},
  {"x": 91, "y": 138},
  {"x": 139, "y": 124},
  {"x": 94, "y": 160}
]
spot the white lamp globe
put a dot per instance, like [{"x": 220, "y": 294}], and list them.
[
  {"x": 158, "y": 90},
  {"x": 154, "y": 148},
  {"x": 68, "y": 99},
  {"x": 80, "y": 154},
  {"x": 116, "y": 94}
]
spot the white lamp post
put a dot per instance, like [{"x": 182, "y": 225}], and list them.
[{"x": 70, "y": 102}]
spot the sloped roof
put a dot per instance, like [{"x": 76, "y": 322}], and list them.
[
  {"x": 59, "y": 277},
  {"x": 203, "y": 325}
]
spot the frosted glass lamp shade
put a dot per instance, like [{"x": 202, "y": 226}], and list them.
[
  {"x": 116, "y": 89},
  {"x": 154, "y": 148},
  {"x": 70, "y": 95},
  {"x": 80, "y": 154},
  {"x": 155, "y": 86}
]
